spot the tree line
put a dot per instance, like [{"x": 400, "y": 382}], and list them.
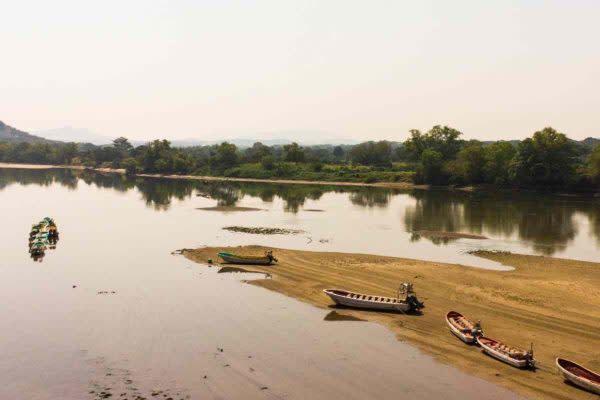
[{"x": 439, "y": 156}]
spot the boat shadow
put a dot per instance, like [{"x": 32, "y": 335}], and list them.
[
  {"x": 571, "y": 384},
  {"x": 375, "y": 311},
  {"x": 336, "y": 316}
]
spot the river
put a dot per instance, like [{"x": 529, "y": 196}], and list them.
[{"x": 111, "y": 311}]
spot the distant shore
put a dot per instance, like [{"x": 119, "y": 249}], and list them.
[
  {"x": 396, "y": 185},
  {"x": 554, "y": 303},
  {"x": 388, "y": 185}
]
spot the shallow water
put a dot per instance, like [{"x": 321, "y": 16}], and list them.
[{"x": 164, "y": 326}]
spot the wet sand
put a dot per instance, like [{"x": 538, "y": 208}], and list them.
[{"x": 554, "y": 303}]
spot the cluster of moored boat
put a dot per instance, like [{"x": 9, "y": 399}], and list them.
[
  {"x": 42, "y": 236},
  {"x": 471, "y": 333}
]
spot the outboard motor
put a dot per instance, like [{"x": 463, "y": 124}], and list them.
[
  {"x": 406, "y": 292},
  {"x": 477, "y": 330}
]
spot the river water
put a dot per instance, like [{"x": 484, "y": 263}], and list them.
[{"x": 111, "y": 311}]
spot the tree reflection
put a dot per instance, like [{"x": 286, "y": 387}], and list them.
[
  {"x": 547, "y": 229},
  {"x": 369, "y": 197}
]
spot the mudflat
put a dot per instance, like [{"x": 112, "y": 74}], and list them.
[{"x": 550, "y": 302}]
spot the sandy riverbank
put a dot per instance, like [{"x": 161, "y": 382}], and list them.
[
  {"x": 49, "y": 166},
  {"x": 554, "y": 303}
]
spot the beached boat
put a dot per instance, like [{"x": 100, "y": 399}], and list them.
[
  {"x": 578, "y": 375},
  {"x": 405, "y": 302},
  {"x": 508, "y": 354},
  {"x": 230, "y": 258},
  {"x": 464, "y": 329}
]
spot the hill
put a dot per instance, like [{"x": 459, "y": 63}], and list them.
[{"x": 13, "y": 135}]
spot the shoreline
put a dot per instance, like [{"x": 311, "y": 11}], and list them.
[
  {"x": 390, "y": 185},
  {"x": 384, "y": 185},
  {"x": 554, "y": 303}
]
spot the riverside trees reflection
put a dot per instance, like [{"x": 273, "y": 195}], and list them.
[{"x": 546, "y": 223}]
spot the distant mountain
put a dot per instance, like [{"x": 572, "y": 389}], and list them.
[
  {"x": 13, "y": 135},
  {"x": 309, "y": 138},
  {"x": 78, "y": 135},
  {"x": 589, "y": 142}
]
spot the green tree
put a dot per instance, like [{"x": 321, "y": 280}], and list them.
[
  {"x": 429, "y": 168},
  {"x": 294, "y": 153},
  {"x": 225, "y": 157},
  {"x": 268, "y": 163},
  {"x": 548, "y": 158},
  {"x": 444, "y": 140},
  {"x": 593, "y": 165},
  {"x": 64, "y": 153},
  {"x": 130, "y": 165},
  {"x": 372, "y": 153},
  {"x": 156, "y": 157},
  {"x": 122, "y": 145},
  {"x": 257, "y": 152},
  {"x": 338, "y": 153},
  {"x": 498, "y": 157},
  {"x": 471, "y": 159}
]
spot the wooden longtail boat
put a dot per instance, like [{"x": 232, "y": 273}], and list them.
[
  {"x": 578, "y": 375},
  {"x": 464, "y": 329},
  {"x": 405, "y": 302},
  {"x": 267, "y": 259},
  {"x": 510, "y": 355}
]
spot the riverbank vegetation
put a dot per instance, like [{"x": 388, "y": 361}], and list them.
[{"x": 439, "y": 156}]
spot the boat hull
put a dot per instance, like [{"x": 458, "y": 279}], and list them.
[
  {"x": 246, "y": 261},
  {"x": 358, "y": 302},
  {"x": 576, "y": 379},
  {"x": 524, "y": 363},
  {"x": 466, "y": 337}
]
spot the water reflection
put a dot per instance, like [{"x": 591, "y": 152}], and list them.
[{"x": 545, "y": 223}]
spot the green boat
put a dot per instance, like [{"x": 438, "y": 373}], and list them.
[{"x": 230, "y": 258}]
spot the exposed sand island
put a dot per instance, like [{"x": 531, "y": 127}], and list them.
[
  {"x": 448, "y": 235},
  {"x": 554, "y": 303},
  {"x": 227, "y": 209}
]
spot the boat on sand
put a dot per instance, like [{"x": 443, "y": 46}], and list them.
[
  {"x": 406, "y": 301},
  {"x": 578, "y": 375},
  {"x": 462, "y": 328},
  {"x": 505, "y": 353},
  {"x": 230, "y": 258}
]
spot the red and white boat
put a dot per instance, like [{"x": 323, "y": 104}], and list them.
[
  {"x": 578, "y": 375},
  {"x": 508, "y": 354},
  {"x": 462, "y": 328}
]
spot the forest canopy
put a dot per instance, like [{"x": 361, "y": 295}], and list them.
[{"x": 440, "y": 156}]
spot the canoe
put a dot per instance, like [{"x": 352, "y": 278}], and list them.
[
  {"x": 406, "y": 303},
  {"x": 578, "y": 375},
  {"x": 267, "y": 259},
  {"x": 508, "y": 354},
  {"x": 462, "y": 328}
]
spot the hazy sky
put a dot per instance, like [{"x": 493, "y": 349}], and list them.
[{"x": 355, "y": 69}]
